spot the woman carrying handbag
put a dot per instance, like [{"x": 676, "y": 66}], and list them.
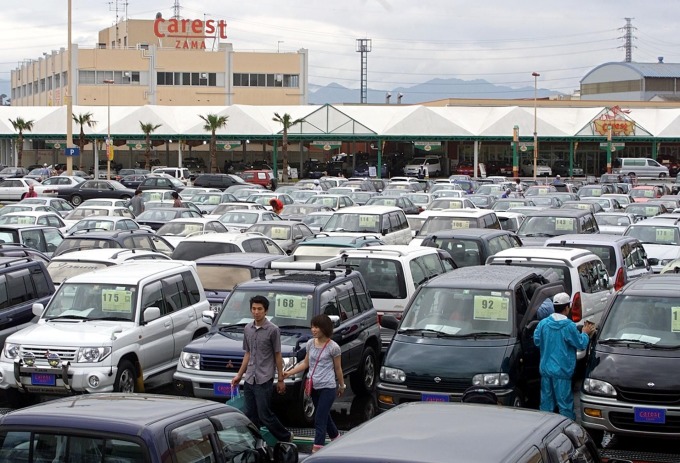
[{"x": 323, "y": 361}]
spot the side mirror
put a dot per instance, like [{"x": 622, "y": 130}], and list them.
[
  {"x": 335, "y": 319},
  {"x": 653, "y": 261},
  {"x": 208, "y": 317},
  {"x": 390, "y": 322},
  {"x": 37, "y": 309},
  {"x": 151, "y": 313}
]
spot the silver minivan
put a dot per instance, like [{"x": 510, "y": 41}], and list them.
[
  {"x": 386, "y": 222},
  {"x": 640, "y": 167}
]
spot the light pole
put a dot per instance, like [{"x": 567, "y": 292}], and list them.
[
  {"x": 109, "y": 146},
  {"x": 67, "y": 97},
  {"x": 536, "y": 75}
]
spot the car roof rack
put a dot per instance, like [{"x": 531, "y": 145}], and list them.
[{"x": 292, "y": 263}]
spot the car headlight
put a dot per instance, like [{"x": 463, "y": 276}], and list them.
[
  {"x": 190, "y": 360},
  {"x": 93, "y": 354},
  {"x": 491, "y": 379},
  {"x": 289, "y": 362},
  {"x": 597, "y": 387},
  {"x": 11, "y": 350},
  {"x": 392, "y": 375}
]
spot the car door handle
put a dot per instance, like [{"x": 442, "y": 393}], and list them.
[
  {"x": 604, "y": 299},
  {"x": 167, "y": 324}
]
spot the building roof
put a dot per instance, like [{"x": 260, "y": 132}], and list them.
[{"x": 654, "y": 69}]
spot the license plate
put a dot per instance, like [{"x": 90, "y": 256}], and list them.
[
  {"x": 650, "y": 415},
  {"x": 223, "y": 389},
  {"x": 434, "y": 398},
  {"x": 42, "y": 379}
]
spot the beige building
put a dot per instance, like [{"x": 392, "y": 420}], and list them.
[{"x": 163, "y": 62}]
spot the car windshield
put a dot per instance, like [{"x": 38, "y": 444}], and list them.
[
  {"x": 11, "y": 208},
  {"x": 382, "y": 202},
  {"x": 275, "y": 232},
  {"x": 542, "y": 201},
  {"x": 547, "y": 226},
  {"x": 222, "y": 277},
  {"x": 489, "y": 189},
  {"x": 442, "y": 203},
  {"x": 480, "y": 200},
  {"x": 155, "y": 195},
  {"x": 60, "y": 271},
  {"x": 286, "y": 309},
  {"x": 642, "y": 193},
  {"x": 354, "y": 223},
  {"x": 653, "y": 234},
  {"x": 321, "y": 200},
  {"x": 315, "y": 220},
  {"x": 418, "y": 198},
  {"x": 240, "y": 217},
  {"x": 384, "y": 277},
  {"x": 93, "y": 224},
  {"x": 207, "y": 198},
  {"x": 459, "y": 312},
  {"x": 439, "y": 223},
  {"x": 612, "y": 220},
  {"x": 505, "y": 204},
  {"x": 81, "y": 213},
  {"x": 643, "y": 210},
  {"x": 189, "y": 250},
  {"x": 180, "y": 229},
  {"x": 302, "y": 195},
  {"x": 648, "y": 320},
  {"x": 93, "y": 301},
  {"x": 157, "y": 215},
  {"x": 415, "y": 223},
  {"x": 295, "y": 209}
]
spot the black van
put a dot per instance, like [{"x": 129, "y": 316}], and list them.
[
  {"x": 631, "y": 385},
  {"x": 470, "y": 326}
]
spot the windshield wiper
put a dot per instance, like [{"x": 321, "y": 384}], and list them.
[
  {"x": 481, "y": 334},
  {"x": 531, "y": 235},
  {"x": 283, "y": 327},
  {"x": 237, "y": 326},
  {"x": 646, "y": 344},
  {"x": 115, "y": 319},
  {"x": 69, "y": 317},
  {"x": 418, "y": 330}
]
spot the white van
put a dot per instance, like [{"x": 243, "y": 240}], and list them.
[
  {"x": 386, "y": 222},
  {"x": 639, "y": 167},
  {"x": 180, "y": 173},
  {"x": 430, "y": 165}
]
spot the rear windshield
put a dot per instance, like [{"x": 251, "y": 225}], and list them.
[
  {"x": 60, "y": 271},
  {"x": 551, "y": 270},
  {"x": 384, "y": 277},
  {"x": 194, "y": 250},
  {"x": 222, "y": 277},
  {"x": 435, "y": 224},
  {"x": 606, "y": 254}
]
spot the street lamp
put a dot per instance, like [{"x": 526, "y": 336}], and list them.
[
  {"x": 109, "y": 146},
  {"x": 535, "y": 75}
]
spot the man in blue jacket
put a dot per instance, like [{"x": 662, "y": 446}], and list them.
[{"x": 558, "y": 340}]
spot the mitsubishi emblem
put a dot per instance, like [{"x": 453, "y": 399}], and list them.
[
  {"x": 230, "y": 365},
  {"x": 650, "y": 384},
  {"x": 437, "y": 379},
  {"x": 47, "y": 354}
]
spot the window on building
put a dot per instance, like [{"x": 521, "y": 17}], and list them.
[
  {"x": 49, "y": 81},
  {"x": 84, "y": 77},
  {"x": 64, "y": 79},
  {"x": 42, "y": 85},
  {"x": 102, "y": 76},
  {"x": 291, "y": 80},
  {"x": 659, "y": 84},
  {"x": 57, "y": 81}
]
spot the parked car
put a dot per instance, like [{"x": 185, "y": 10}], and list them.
[
  {"x": 260, "y": 177},
  {"x": 614, "y": 223},
  {"x": 221, "y": 181},
  {"x": 129, "y": 239},
  {"x": 157, "y": 217},
  {"x": 91, "y": 189},
  {"x": 13, "y": 172},
  {"x": 195, "y": 247},
  {"x": 472, "y": 246},
  {"x": 562, "y": 168},
  {"x": 61, "y": 206},
  {"x": 39, "y": 237},
  {"x": 660, "y": 238},
  {"x": 286, "y": 233},
  {"x": 541, "y": 225}
]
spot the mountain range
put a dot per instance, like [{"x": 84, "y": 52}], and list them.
[{"x": 435, "y": 89}]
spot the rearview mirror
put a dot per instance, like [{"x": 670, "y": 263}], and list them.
[
  {"x": 653, "y": 261},
  {"x": 208, "y": 316},
  {"x": 335, "y": 319}
]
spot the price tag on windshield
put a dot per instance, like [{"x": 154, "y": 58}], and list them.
[
  {"x": 213, "y": 200},
  {"x": 279, "y": 233},
  {"x": 25, "y": 220},
  {"x": 675, "y": 319},
  {"x": 583, "y": 206},
  {"x": 116, "y": 300},
  {"x": 454, "y": 205},
  {"x": 154, "y": 197},
  {"x": 192, "y": 228},
  {"x": 542, "y": 191},
  {"x": 460, "y": 224},
  {"x": 650, "y": 211},
  {"x": 564, "y": 223},
  {"x": 287, "y": 306},
  {"x": 491, "y": 308},
  {"x": 368, "y": 221},
  {"x": 665, "y": 235},
  {"x": 516, "y": 204}
]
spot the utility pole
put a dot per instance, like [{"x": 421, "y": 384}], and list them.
[
  {"x": 364, "y": 47},
  {"x": 628, "y": 38}
]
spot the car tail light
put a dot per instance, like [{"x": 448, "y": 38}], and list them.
[
  {"x": 619, "y": 281},
  {"x": 576, "y": 308}
]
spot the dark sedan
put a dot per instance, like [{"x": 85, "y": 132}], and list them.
[
  {"x": 156, "y": 218},
  {"x": 132, "y": 181},
  {"x": 161, "y": 183},
  {"x": 91, "y": 189},
  {"x": 404, "y": 204}
]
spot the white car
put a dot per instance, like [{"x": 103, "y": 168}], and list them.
[
  {"x": 15, "y": 189},
  {"x": 178, "y": 229},
  {"x": 429, "y": 165},
  {"x": 48, "y": 219},
  {"x": 60, "y": 182},
  {"x": 240, "y": 219},
  {"x": 89, "y": 211},
  {"x": 195, "y": 247},
  {"x": 660, "y": 238},
  {"x": 542, "y": 168},
  {"x": 104, "y": 222},
  {"x": 58, "y": 205}
]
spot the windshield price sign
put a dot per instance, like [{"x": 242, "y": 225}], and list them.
[
  {"x": 564, "y": 223},
  {"x": 288, "y": 306},
  {"x": 491, "y": 308},
  {"x": 675, "y": 319},
  {"x": 116, "y": 300}
]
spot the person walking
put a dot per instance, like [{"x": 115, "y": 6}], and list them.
[
  {"x": 317, "y": 186},
  {"x": 262, "y": 357},
  {"x": 518, "y": 189},
  {"x": 558, "y": 340},
  {"x": 176, "y": 202},
  {"x": 137, "y": 203},
  {"x": 558, "y": 180},
  {"x": 323, "y": 358}
]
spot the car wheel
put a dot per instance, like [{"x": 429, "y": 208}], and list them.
[
  {"x": 363, "y": 380},
  {"x": 518, "y": 401},
  {"x": 631, "y": 174},
  {"x": 302, "y": 411},
  {"x": 76, "y": 200},
  {"x": 662, "y": 175},
  {"x": 126, "y": 378}
]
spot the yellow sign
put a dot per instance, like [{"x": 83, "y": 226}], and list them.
[
  {"x": 116, "y": 300},
  {"x": 455, "y": 205},
  {"x": 618, "y": 126},
  {"x": 491, "y": 308},
  {"x": 25, "y": 220},
  {"x": 564, "y": 223},
  {"x": 154, "y": 196},
  {"x": 287, "y": 306},
  {"x": 368, "y": 221},
  {"x": 279, "y": 233},
  {"x": 109, "y": 149},
  {"x": 675, "y": 319},
  {"x": 651, "y": 211},
  {"x": 665, "y": 235},
  {"x": 460, "y": 224}
]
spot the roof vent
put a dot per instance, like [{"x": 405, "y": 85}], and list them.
[{"x": 660, "y": 58}]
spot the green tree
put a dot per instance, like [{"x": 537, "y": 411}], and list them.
[
  {"x": 287, "y": 122},
  {"x": 84, "y": 119},
  {"x": 21, "y": 126},
  {"x": 212, "y": 123},
  {"x": 148, "y": 129}
]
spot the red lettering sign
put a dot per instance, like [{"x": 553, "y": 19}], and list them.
[{"x": 189, "y": 29}]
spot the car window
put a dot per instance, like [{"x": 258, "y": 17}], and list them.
[
  {"x": 271, "y": 247},
  {"x": 137, "y": 242},
  {"x": 347, "y": 300},
  {"x": 593, "y": 277},
  {"x": 152, "y": 296},
  {"x": 417, "y": 273},
  {"x": 191, "y": 442},
  {"x": 175, "y": 293},
  {"x": 634, "y": 256},
  {"x": 19, "y": 287},
  {"x": 431, "y": 264}
]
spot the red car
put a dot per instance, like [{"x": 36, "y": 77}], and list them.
[
  {"x": 466, "y": 168},
  {"x": 260, "y": 177}
]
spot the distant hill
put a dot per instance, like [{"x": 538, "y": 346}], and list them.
[{"x": 435, "y": 89}]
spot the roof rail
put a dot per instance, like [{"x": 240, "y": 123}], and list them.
[
  {"x": 290, "y": 263},
  {"x": 379, "y": 250},
  {"x": 18, "y": 260}
]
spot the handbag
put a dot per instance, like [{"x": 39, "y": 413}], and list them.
[{"x": 309, "y": 384}]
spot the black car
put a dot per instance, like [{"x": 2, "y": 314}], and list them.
[
  {"x": 152, "y": 182},
  {"x": 133, "y": 181},
  {"x": 13, "y": 172},
  {"x": 91, "y": 189},
  {"x": 126, "y": 428},
  {"x": 219, "y": 273},
  {"x": 221, "y": 181},
  {"x": 471, "y": 246},
  {"x": 311, "y": 288},
  {"x": 631, "y": 386},
  {"x": 130, "y": 239},
  {"x": 159, "y": 216},
  {"x": 23, "y": 282},
  {"x": 472, "y": 326}
]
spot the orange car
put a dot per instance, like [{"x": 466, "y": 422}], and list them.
[{"x": 643, "y": 193}]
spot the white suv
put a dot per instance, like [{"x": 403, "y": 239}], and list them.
[
  {"x": 113, "y": 329},
  {"x": 430, "y": 164},
  {"x": 393, "y": 274}
]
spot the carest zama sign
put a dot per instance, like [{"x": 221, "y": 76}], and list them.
[{"x": 189, "y": 33}]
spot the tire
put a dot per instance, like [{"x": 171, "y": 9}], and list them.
[
  {"x": 662, "y": 175},
  {"x": 363, "y": 380},
  {"x": 126, "y": 378},
  {"x": 76, "y": 200},
  {"x": 631, "y": 174},
  {"x": 302, "y": 411},
  {"x": 518, "y": 401}
]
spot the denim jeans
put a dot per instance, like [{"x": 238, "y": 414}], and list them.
[
  {"x": 323, "y": 423},
  {"x": 259, "y": 411}
]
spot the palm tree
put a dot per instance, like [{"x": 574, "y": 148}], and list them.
[
  {"x": 286, "y": 122},
  {"x": 212, "y": 123},
  {"x": 83, "y": 120},
  {"x": 21, "y": 126},
  {"x": 148, "y": 129}
]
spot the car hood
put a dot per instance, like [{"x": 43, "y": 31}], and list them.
[
  {"x": 70, "y": 333},
  {"x": 662, "y": 251},
  {"x": 636, "y": 368},
  {"x": 534, "y": 240},
  {"x": 231, "y": 343},
  {"x": 449, "y": 358}
]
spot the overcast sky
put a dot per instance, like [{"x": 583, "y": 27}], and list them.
[{"x": 413, "y": 41}]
